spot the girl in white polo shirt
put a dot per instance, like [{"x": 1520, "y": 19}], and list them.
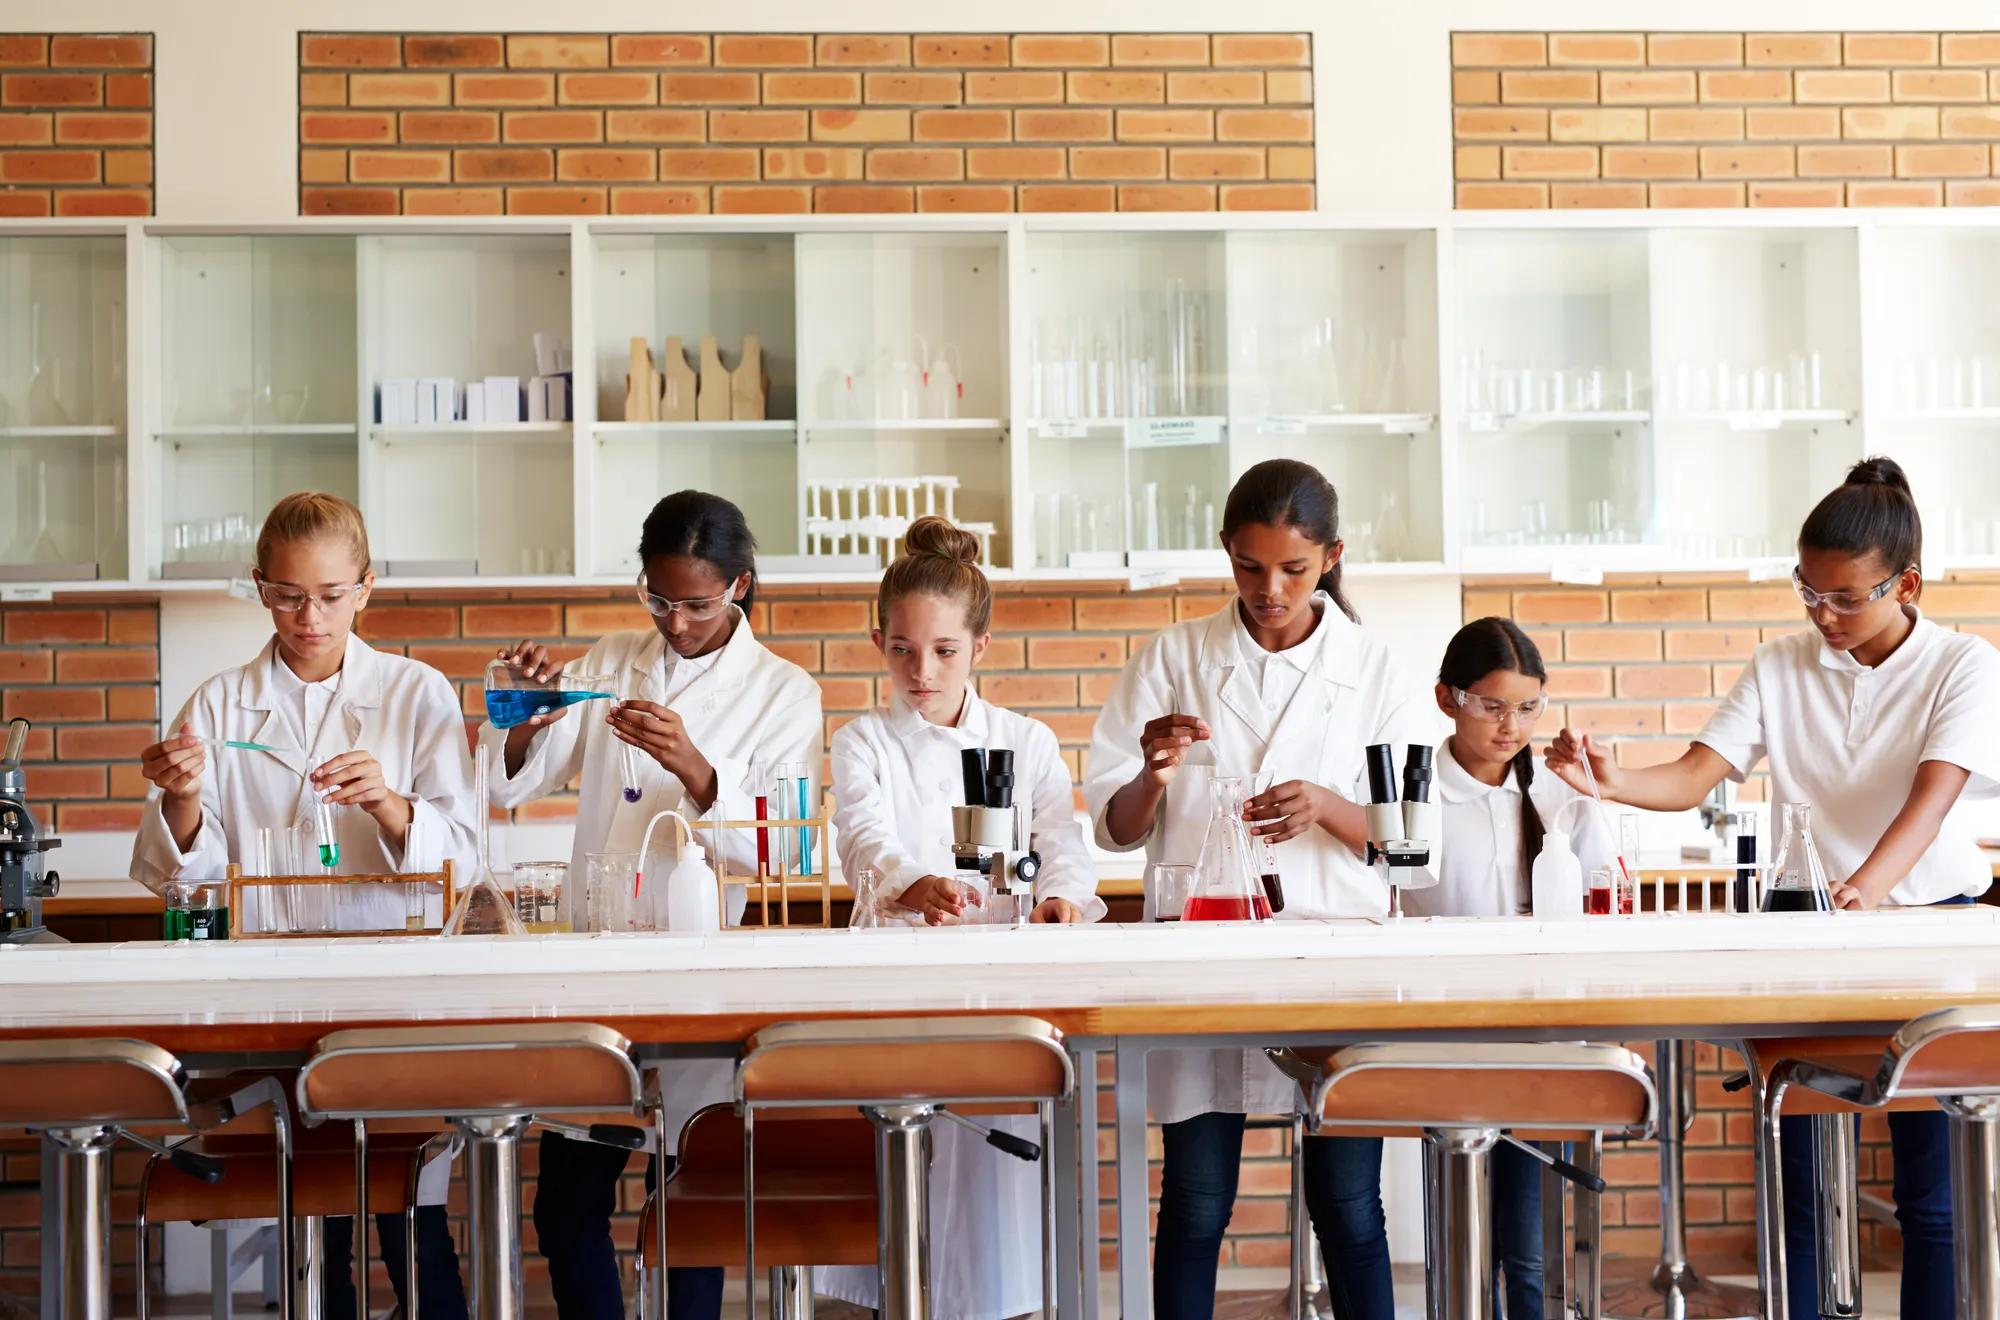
[{"x": 1881, "y": 720}]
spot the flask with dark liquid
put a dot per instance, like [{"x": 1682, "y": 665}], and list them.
[{"x": 1798, "y": 880}]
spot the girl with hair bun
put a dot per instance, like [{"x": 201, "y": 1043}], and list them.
[
  {"x": 896, "y": 776},
  {"x": 1881, "y": 721}
]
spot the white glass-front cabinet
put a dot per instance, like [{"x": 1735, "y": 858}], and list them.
[{"x": 63, "y": 488}]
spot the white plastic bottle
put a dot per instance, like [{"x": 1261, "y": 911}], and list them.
[{"x": 1556, "y": 882}]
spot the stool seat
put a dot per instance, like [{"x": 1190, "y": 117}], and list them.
[
  {"x": 468, "y": 1071},
  {"x": 1524, "y": 1087},
  {"x": 1858, "y": 1056},
  {"x": 79, "y": 1083},
  {"x": 904, "y": 1061},
  {"x": 322, "y": 1179}
]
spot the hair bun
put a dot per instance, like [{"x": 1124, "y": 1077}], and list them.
[
  {"x": 932, "y": 535},
  {"x": 1878, "y": 471}
]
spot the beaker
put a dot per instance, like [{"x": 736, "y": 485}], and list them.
[
  {"x": 1226, "y": 887},
  {"x": 514, "y": 698},
  {"x": 610, "y": 903},
  {"x": 540, "y": 894},
  {"x": 195, "y": 910}
]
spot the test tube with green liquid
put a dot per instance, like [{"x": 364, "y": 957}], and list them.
[{"x": 323, "y": 834}]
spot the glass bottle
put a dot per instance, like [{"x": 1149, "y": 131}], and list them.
[
  {"x": 1798, "y": 880},
  {"x": 1226, "y": 883}
]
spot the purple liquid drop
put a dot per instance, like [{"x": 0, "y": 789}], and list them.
[{"x": 631, "y": 795}]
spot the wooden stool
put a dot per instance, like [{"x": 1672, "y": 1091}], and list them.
[
  {"x": 1461, "y": 1097},
  {"x": 816, "y": 1202},
  {"x": 902, "y": 1072},
  {"x": 492, "y": 1082}
]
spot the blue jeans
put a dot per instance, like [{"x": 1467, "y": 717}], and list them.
[
  {"x": 576, "y": 1189},
  {"x": 1517, "y": 1230},
  {"x": 440, "y": 1292},
  {"x": 1343, "y": 1178}
]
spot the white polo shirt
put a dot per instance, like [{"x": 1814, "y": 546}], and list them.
[
  {"x": 1479, "y": 853},
  {"x": 1848, "y": 740}
]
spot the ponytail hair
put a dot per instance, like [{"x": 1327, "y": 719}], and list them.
[
  {"x": 705, "y": 527},
  {"x": 939, "y": 560},
  {"x": 1283, "y": 492},
  {"x": 1872, "y": 512},
  {"x": 1482, "y": 647}
]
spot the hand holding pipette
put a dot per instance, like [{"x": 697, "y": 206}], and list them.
[
  {"x": 1603, "y": 816},
  {"x": 174, "y": 765},
  {"x": 1172, "y": 741}
]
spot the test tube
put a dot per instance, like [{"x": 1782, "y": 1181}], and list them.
[
  {"x": 805, "y": 832},
  {"x": 323, "y": 833}
]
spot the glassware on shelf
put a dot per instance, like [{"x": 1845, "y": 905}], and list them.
[
  {"x": 1798, "y": 880},
  {"x": 1147, "y": 358},
  {"x": 1227, "y": 886},
  {"x": 1516, "y": 389},
  {"x": 944, "y": 383}
]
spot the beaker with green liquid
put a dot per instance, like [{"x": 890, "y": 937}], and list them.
[{"x": 195, "y": 910}]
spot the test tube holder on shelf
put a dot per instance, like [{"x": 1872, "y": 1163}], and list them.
[
  {"x": 238, "y": 882},
  {"x": 781, "y": 877}
]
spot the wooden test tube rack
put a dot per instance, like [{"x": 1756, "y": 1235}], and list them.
[
  {"x": 238, "y": 882},
  {"x": 784, "y": 878}
]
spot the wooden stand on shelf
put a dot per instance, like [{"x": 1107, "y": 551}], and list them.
[
  {"x": 817, "y": 883},
  {"x": 712, "y": 403},
  {"x": 642, "y": 384},
  {"x": 676, "y": 384},
  {"x": 238, "y": 882},
  {"x": 748, "y": 385}
]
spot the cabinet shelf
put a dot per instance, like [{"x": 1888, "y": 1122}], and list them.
[
  {"x": 1490, "y": 423},
  {"x": 274, "y": 429},
  {"x": 905, "y": 424},
  {"x": 759, "y": 428},
  {"x": 1390, "y": 423},
  {"x": 56, "y": 432}
]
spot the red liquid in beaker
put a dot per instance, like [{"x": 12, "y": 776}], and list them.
[{"x": 1227, "y": 909}]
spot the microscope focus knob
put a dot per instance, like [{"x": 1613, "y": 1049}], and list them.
[{"x": 1029, "y": 867}]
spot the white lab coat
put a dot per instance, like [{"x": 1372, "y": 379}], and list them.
[
  {"x": 895, "y": 778},
  {"x": 1353, "y": 695},
  {"x": 750, "y": 706}
]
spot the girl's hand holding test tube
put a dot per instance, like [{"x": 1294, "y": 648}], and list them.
[
  {"x": 354, "y": 779},
  {"x": 660, "y": 734}
]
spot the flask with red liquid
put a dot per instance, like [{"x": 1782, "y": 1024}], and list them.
[{"x": 1226, "y": 883}]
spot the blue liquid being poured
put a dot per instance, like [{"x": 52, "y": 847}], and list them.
[{"x": 507, "y": 707}]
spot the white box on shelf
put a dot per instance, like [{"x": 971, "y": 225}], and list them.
[
  {"x": 398, "y": 404},
  {"x": 551, "y": 355},
  {"x": 437, "y": 400},
  {"x": 503, "y": 398},
  {"x": 475, "y": 402},
  {"x": 548, "y": 398}
]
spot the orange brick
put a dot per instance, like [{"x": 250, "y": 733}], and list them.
[
  {"x": 1942, "y": 160},
  {"x": 1212, "y": 162},
  {"x": 1166, "y": 197},
  {"x": 765, "y": 50},
  {"x": 964, "y": 198},
  {"x": 334, "y": 127},
  {"x": 1891, "y": 48},
  {"x": 399, "y": 166},
  {"x": 1938, "y": 84},
  {"x": 450, "y": 126},
  {"x": 1012, "y": 614},
  {"x": 861, "y": 199},
  {"x": 1845, "y": 161},
  {"x": 1695, "y": 195},
  {"x": 52, "y": 705},
  {"x": 1263, "y": 125},
  {"x": 1024, "y": 691},
  {"x": 1596, "y": 196},
  {"x": 1792, "y": 48},
  {"x": 916, "y": 165},
  {"x": 1662, "y": 682},
  {"x": 1695, "y": 125},
  {"x": 1597, "y": 48},
  {"x": 347, "y": 201},
  {"x": 1168, "y": 125},
  {"x": 762, "y": 201},
  {"x": 48, "y": 166},
  {"x": 658, "y": 50},
  {"x": 813, "y": 162},
  {"x": 706, "y": 164},
  {"x": 1901, "y": 121},
  {"x": 556, "y": 201},
  {"x": 1651, "y": 163},
  {"x": 1746, "y": 604},
  {"x": 1967, "y": 122},
  {"x": 1840, "y": 86},
  {"x": 19, "y": 50},
  {"x": 819, "y": 616},
  {"x": 1126, "y": 87},
  {"x": 913, "y": 89},
  {"x": 1514, "y": 124},
  {"x": 1791, "y": 123},
  {"x": 1075, "y": 125},
  {"x": 453, "y": 201},
  {"x": 1014, "y": 163},
  {"x": 1579, "y": 682},
  {"x": 74, "y": 127},
  {"x": 109, "y": 742},
  {"x": 1292, "y": 49},
  {"x": 1764, "y": 162},
  {"x": 1746, "y": 85},
  {"x": 1496, "y": 49},
  {"x": 1598, "y": 720},
  {"x": 1895, "y": 194},
  {"x": 1127, "y": 612},
  {"x": 504, "y": 89},
  {"x": 1077, "y": 50},
  {"x": 504, "y": 165},
  {"x": 1475, "y": 87},
  {"x": 1561, "y": 607},
  {"x": 45, "y": 89},
  {"x": 708, "y": 89},
  {"x": 1118, "y": 163},
  {"x": 1621, "y": 125},
  {"x": 654, "y": 126},
  {"x": 1289, "y": 162},
  {"x": 132, "y": 703},
  {"x": 1670, "y": 87},
  {"x": 659, "y": 201},
  {"x": 857, "y": 50},
  {"x": 1962, "y": 193},
  {"x": 351, "y": 50},
  {"x": 606, "y": 89},
  {"x": 1019, "y": 87},
  {"x": 819, "y": 88},
  {"x": 758, "y": 125},
  {"x": 1797, "y": 194},
  {"x": 134, "y": 91},
  {"x": 1710, "y": 643},
  {"x": 1160, "y": 49},
  {"x": 26, "y": 130},
  {"x": 862, "y": 125},
  {"x": 574, "y": 51},
  {"x": 609, "y": 164},
  {"x": 846, "y": 693},
  {"x": 1971, "y": 48},
  {"x": 962, "y": 52},
  {"x": 1070, "y": 197},
  {"x": 106, "y": 202},
  {"x": 1695, "y": 48},
  {"x": 1076, "y": 652},
  {"x": 1267, "y": 197},
  {"x": 26, "y": 666},
  {"x": 1611, "y": 644},
  {"x": 24, "y": 203},
  {"x": 331, "y": 88},
  {"x": 458, "y": 50},
  {"x": 1567, "y": 86},
  {"x": 1549, "y": 162},
  {"x": 70, "y": 781},
  {"x": 1501, "y": 196}
]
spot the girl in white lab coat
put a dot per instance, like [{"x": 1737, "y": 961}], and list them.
[
  {"x": 704, "y": 702},
  {"x": 1493, "y": 811},
  {"x": 379, "y": 737},
  {"x": 1281, "y": 679},
  {"x": 1881, "y": 721},
  {"x": 896, "y": 776}
]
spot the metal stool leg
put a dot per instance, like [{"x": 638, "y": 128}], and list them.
[
  {"x": 309, "y": 1269},
  {"x": 1465, "y": 1221},
  {"x": 1975, "y": 1213},
  {"x": 83, "y": 1212},
  {"x": 1555, "y": 1239},
  {"x": 1589, "y": 1299},
  {"x": 1836, "y": 1212},
  {"x": 791, "y": 1292},
  {"x": 493, "y": 1165},
  {"x": 1301, "y": 1286},
  {"x": 902, "y": 1173}
]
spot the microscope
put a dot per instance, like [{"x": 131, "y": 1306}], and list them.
[
  {"x": 987, "y": 837},
  {"x": 23, "y": 884},
  {"x": 1401, "y": 826}
]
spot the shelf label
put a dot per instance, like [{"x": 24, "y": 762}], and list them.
[
  {"x": 1576, "y": 573},
  {"x": 1152, "y": 579},
  {"x": 1283, "y": 426},
  {"x": 1162, "y": 432},
  {"x": 242, "y": 589},
  {"x": 1064, "y": 430},
  {"x": 1482, "y": 422},
  {"x": 25, "y": 594}
]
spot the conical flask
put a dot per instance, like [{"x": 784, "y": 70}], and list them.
[
  {"x": 1798, "y": 881},
  {"x": 483, "y": 908},
  {"x": 1226, "y": 886}
]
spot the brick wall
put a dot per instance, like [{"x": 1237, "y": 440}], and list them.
[
  {"x": 76, "y": 124},
  {"x": 1639, "y": 119},
  {"x": 679, "y": 123}
]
